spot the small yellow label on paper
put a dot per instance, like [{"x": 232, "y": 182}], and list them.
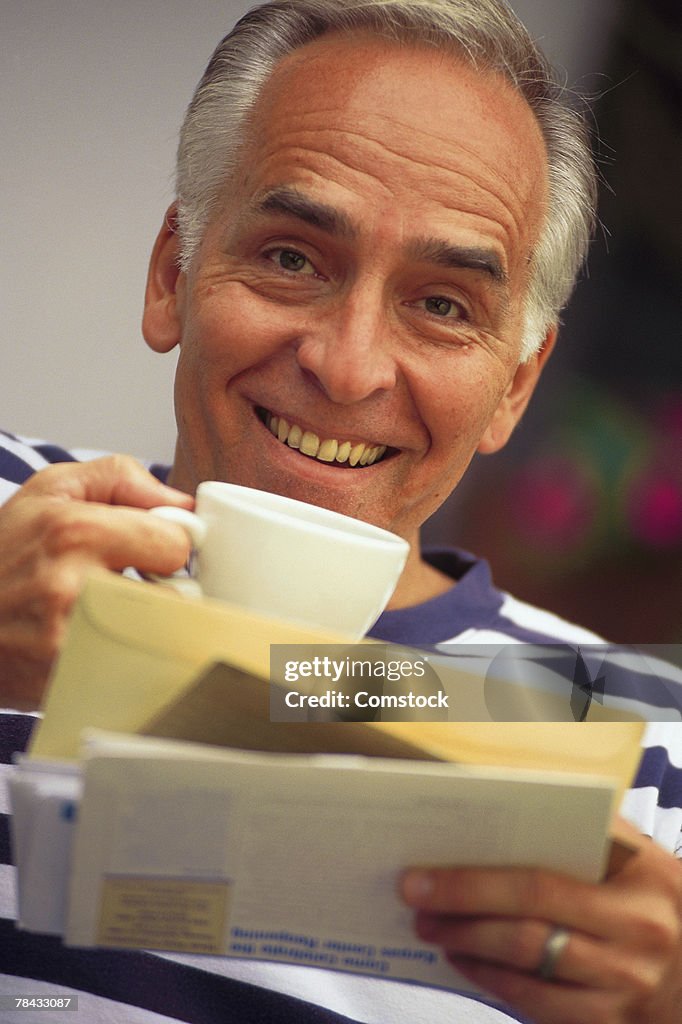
[{"x": 174, "y": 914}]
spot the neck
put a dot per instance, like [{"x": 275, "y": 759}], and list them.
[{"x": 419, "y": 581}]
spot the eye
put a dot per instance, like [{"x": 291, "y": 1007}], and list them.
[
  {"x": 291, "y": 260},
  {"x": 444, "y": 308}
]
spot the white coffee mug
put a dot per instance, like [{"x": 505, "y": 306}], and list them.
[{"x": 288, "y": 559}]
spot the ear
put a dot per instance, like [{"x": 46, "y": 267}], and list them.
[
  {"x": 161, "y": 321},
  {"x": 516, "y": 398}
]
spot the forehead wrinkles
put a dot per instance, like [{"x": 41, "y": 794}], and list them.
[
  {"x": 445, "y": 161},
  {"x": 423, "y": 106},
  {"x": 416, "y": 145},
  {"x": 461, "y": 182}
]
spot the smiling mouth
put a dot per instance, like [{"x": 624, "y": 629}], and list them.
[{"x": 330, "y": 450}]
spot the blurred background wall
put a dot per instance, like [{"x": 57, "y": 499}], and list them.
[{"x": 583, "y": 512}]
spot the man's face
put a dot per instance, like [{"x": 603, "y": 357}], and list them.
[{"x": 362, "y": 285}]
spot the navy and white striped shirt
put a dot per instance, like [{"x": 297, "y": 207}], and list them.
[{"x": 149, "y": 988}]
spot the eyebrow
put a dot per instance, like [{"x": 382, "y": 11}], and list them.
[
  {"x": 292, "y": 203},
  {"x": 458, "y": 257}
]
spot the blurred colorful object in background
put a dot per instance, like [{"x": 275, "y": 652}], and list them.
[
  {"x": 605, "y": 478},
  {"x": 654, "y": 500},
  {"x": 555, "y": 504},
  {"x": 588, "y": 521}
]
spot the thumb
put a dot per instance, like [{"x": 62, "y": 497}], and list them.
[{"x": 111, "y": 480}]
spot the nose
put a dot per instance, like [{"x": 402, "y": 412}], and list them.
[{"x": 348, "y": 351}]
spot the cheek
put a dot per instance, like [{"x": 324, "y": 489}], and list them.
[
  {"x": 457, "y": 402},
  {"x": 231, "y": 330}
]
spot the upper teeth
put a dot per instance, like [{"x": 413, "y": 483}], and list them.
[{"x": 329, "y": 450}]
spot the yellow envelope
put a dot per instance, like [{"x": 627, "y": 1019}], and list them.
[
  {"x": 141, "y": 659},
  {"x": 133, "y": 647}
]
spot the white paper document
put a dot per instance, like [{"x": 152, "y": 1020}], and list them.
[
  {"x": 45, "y": 799},
  {"x": 294, "y": 858}
]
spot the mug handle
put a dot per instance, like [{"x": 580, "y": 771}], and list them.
[{"x": 196, "y": 530}]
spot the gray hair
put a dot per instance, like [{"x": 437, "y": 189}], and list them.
[{"x": 486, "y": 33}]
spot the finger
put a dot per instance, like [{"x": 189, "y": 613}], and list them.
[
  {"x": 504, "y": 892},
  {"x": 114, "y": 538},
  {"x": 549, "y": 1002},
  {"x": 112, "y": 480},
  {"x": 521, "y": 945},
  {"x": 23, "y": 668},
  {"x": 621, "y": 828},
  {"x": 647, "y": 916}
]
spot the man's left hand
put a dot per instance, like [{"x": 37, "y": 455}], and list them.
[{"x": 621, "y": 963}]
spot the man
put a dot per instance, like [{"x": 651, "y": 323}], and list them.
[{"x": 381, "y": 210}]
